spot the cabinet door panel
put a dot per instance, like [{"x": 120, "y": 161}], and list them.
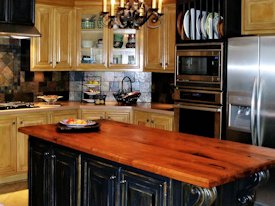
[
  {"x": 57, "y": 116},
  {"x": 119, "y": 116},
  {"x": 26, "y": 14},
  {"x": 258, "y": 16},
  {"x": 137, "y": 190},
  {"x": 170, "y": 37},
  {"x": 65, "y": 177},
  {"x": 38, "y": 168},
  {"x": 162, "y": 122},
  {"x": 153, "y": 48},
  {"x": 63, "y": 37},
  {"x": 7, "y": 146},
  {"x": 3, "y": 11},
  {"x": 42, "y": 48},
  {"x": 93, "y": 115},
  {"x": 141, "y": 118},
  {"x": 98, "y": 182},
  {"x": 22, "y": 139}
]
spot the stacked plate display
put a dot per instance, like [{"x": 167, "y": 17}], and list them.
[{"x": 198, "y": 24}]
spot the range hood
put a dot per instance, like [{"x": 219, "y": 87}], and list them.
[{"x": 18, "y": 31}]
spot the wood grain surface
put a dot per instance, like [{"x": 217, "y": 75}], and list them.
[{"x": 188, "y": 158}]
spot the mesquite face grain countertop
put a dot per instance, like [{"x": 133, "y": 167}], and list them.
[{"x": 200, "y": 161}]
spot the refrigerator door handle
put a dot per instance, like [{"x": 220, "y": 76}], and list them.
[
  {"x": 252, "y": 124},
  {"x": 260, "y": 137}
]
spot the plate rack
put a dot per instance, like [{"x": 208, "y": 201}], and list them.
[{"x": 207, "y": 20}]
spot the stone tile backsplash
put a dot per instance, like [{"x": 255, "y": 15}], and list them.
[
  {"x": 17, "y": 83},
  {"x": 111, "y": 82}
]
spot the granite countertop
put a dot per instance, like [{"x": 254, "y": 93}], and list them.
[
  {"x": 42, "y": 106},
  {"x": 200, "y": 161}
]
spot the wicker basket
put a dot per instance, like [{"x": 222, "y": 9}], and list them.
[{"x": 125, "y": 97}]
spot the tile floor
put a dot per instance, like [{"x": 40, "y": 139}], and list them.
[
  {"x": 15, "y": 194},
  {"x": 19, "y": 198}
]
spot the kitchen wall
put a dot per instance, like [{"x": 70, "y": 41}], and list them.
[
  {"x": 18, "y": 83},
  {"x": 111, "y": 82}
]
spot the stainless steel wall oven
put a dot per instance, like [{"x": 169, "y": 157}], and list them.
[{"x": 198, "y": 95}]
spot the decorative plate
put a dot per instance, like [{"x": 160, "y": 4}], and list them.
[{"x": 77, "y": 123}]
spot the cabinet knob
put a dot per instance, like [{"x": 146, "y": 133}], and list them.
[
  {"x": 152, "y": 121},
  {"x": 123, "y": 181},
  {"x": 166, "y": 64},
  {"x": 46, "y": 154},
  {"x": 147, "y": 120},
  {"x": 109, "y": 117},
  {"x": 57, "y": 62},
  {"x": 53, "y": 156},
  {"x": 112, "y": 177},
  {"x": 21, "y": 122},
  {"x": 13, "y": 123}
]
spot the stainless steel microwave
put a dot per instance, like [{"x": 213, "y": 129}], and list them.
[{"x": 199, "y": 65}]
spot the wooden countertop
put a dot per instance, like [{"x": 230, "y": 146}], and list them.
[{"x": 192, "y": 159}]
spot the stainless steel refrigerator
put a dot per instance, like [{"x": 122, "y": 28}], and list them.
[{"x": 251, "y": 97}]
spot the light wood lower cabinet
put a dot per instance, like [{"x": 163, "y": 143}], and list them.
[
  {"x": 7, "y": 147},
  {"x": 22, "y": 139},
  {"x": 57, "y": 115},
  {"x": 120, "y": 116},
  {"x": 14, "y": 145},
  {"x": 154, "y": 120}
]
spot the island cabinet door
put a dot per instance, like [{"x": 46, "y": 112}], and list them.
[
  {"x": 39, "y": 173},
  {"x": 138, "y": 189},
  {"x": 98, "y": 183},
  {"x": 65, "y": 177},
  {"x": 53, "y": 175}
]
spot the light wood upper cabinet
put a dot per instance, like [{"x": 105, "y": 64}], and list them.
[
  {"x": 102, "y": 49},
  {"x": 22, "y": 139},
  {"x": 53, "y": 51},
  {"x": 7, "y": 147},
  {"x": 159, "y": 43},
  {"x": 154, "y": 120},
  {"x": 258, "y": 17}
]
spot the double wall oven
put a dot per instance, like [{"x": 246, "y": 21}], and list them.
[{"x": 199, "y": 88}]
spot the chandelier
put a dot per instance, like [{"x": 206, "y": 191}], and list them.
[{"x": 132, "y": 14}]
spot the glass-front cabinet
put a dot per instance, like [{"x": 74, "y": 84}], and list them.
[
  {"x": 91, "y": 39},
  {"x": 102, "y": 48},
  {"x": 124, "y": 48}
]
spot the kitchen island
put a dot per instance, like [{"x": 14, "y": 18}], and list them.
[{"x": 124, "y": 164}]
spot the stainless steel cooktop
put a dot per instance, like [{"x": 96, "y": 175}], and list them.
[{"x": 17, "y": 105}]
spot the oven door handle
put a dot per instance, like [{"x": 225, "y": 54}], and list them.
[{"x": 201, "y": 108}]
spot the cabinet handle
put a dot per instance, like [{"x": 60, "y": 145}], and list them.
[
  {"x": 53, "y": 156},
  {"x": 166, "y": 64},
  {"x": 112, "y": 177},
  {"x": 108, "y": 117},
  {"x": 46, "y": 154},
  {"x": 123, "y": 181}
]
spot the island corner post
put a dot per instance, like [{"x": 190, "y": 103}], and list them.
[{"x": 166, "y": 168}]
